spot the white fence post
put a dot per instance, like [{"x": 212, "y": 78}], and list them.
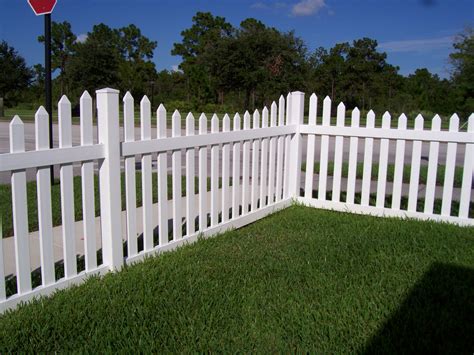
[
  {"x": 109, "y": 176},
  {"x": 296, "y": 118}
]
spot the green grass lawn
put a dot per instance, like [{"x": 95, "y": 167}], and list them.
[
  {"x": 301, "y": 280},
  {"x": 391, "y": 172}
]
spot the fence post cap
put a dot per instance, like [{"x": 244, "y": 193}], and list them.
[
  {"x": 297, "y": 93},
  {"x": 107, "y": 91}
]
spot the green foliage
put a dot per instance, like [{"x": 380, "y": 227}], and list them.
[
  {"x": 302, "y": 280},
  {"x": 462, "y": 60},
  {"x": 15, "y": 76}
]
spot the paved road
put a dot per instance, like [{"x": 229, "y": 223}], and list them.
[{"x": 30, "y": 145}]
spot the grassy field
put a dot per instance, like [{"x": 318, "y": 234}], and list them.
[
  {"x": 301, "y": 280},
  {"x": 440, "y": 171}
]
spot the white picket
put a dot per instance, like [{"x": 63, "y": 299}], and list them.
[
  {"x": 313, "y": 107},
  {"x": 20, "y": 210},
  {"x": 130, "y": 176},
  {"x": 190, "y": 174},
  {"x": 67, "y": 190},
  {"x": 432, "y": 168},
  {"x": 468, "y": 174},
  {"x": 246, "y": 168},
  {"x": 147, "y": 187},
  {"x": 236, "y": 190},
  {"x": 399, "y": 165},
  {"x": 225, "y": 172},
  {"x": 280, "y": 151},
  {"x": 353, "y": 149},
  {"x": 323, "y": 160},
  {"x": 202, "y": 176},
  {"x": 255, "y": 162},
  {"x": 368, "y": 150},
  {"x": 87, "y": 184},
  {"x": 383, "y": 163},
  {"x": 214, "y": 174},
  {"x": 415, "y": 168},
  {"x": 286, "y": 168},
  {"x": 162, "y": 168},
  {"x": 176, "y": 182},
  {"x": 43, "y": 189},
  {"x": 450, "y": 168},
  {"x": 272, "y": 156},
  {"x": 336, "y": 186},
  {"x": 264, "y": 162},
  {"x": 3, "y": 293}
]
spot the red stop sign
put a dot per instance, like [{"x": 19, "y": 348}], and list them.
[{"x": 42, "y": 7}]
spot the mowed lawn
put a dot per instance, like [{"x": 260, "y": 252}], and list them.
[{"x": 299, "y": 280}]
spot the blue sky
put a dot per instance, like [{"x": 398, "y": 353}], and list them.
[{"x": 414, "y": 33}]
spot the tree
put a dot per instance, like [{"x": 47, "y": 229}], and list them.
[
  {"x": 199, "y": 50},
  {"x": 63, "y": 42},
  {"x": 462, "y": 60},
  {"x": 15, "y": 76},
  {"x": 96, "y": 61}
]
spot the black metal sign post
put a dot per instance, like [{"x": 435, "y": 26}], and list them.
[{"x": 47, "y": 81}]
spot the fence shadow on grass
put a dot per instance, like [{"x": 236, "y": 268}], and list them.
[{"x": 437, "y": 317}]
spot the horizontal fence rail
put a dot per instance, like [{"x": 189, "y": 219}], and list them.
[{"x": 204, "y": 175}]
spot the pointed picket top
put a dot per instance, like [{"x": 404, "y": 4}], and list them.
[
  {"x": 247, "y": 120},
  {"x": 42, "y": 129},
  {"x": 370, "y": 119},
  {"x": 386, "y": 120},
  {"x": 85, "y": 96},
  {"x": 190, "y": 124},
  {"x": 327, "y": 111},
  {"x": 176, "y": 124},
  {"x": 288, "y": 109},
  {"x": 313, "y": 108},
  {"x": 145, "y": 118},
  {"x": 161, "y": 118},
  {"x": 64, "y": 100},
  {"x": 161, "y": 109},
  {"x": 341, "y": 114},
  {"x": 355, "y": 117},
  {"x": 16, "y": 121},
  {"x": 237, "y": 122},
  {"x": 419, "y": 122},
  {"x": 470, "y": 123},
  {"x": 17, "y": 135},
  {"x": 281, "y": 111},
  {"x": 265, "y": 117},
  {"x": 256, "y": 119},
  {"x": 226, "y": 123},
  {"x": 454, "y": 123},
  {"x": 402, "y": 121},
  {"x": 214, "y": 124},
  {"x": 436, "y": 123},
  {"x": 65, "y": 122},
  {"x": 145, "y": 100},
  {"x": 202, "y": 124},
  {"x": 273, "y": 114}
]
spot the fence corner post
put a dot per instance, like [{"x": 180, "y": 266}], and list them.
[
  {"x": 296, "y": 118},
  {"x": 109, "y": 177}
]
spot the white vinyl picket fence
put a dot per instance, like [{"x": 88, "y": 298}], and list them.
[{"x": 221, "y": 174}]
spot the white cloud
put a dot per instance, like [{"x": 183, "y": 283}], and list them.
[
  {"x": 417, "y": 45},
  {"x": 82, "y": 37},
  {"x": 175, "y": 68},
  {"x": 307, "y": 7}
]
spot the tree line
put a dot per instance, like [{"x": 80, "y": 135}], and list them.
[{"x": 227, "y": 68}]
